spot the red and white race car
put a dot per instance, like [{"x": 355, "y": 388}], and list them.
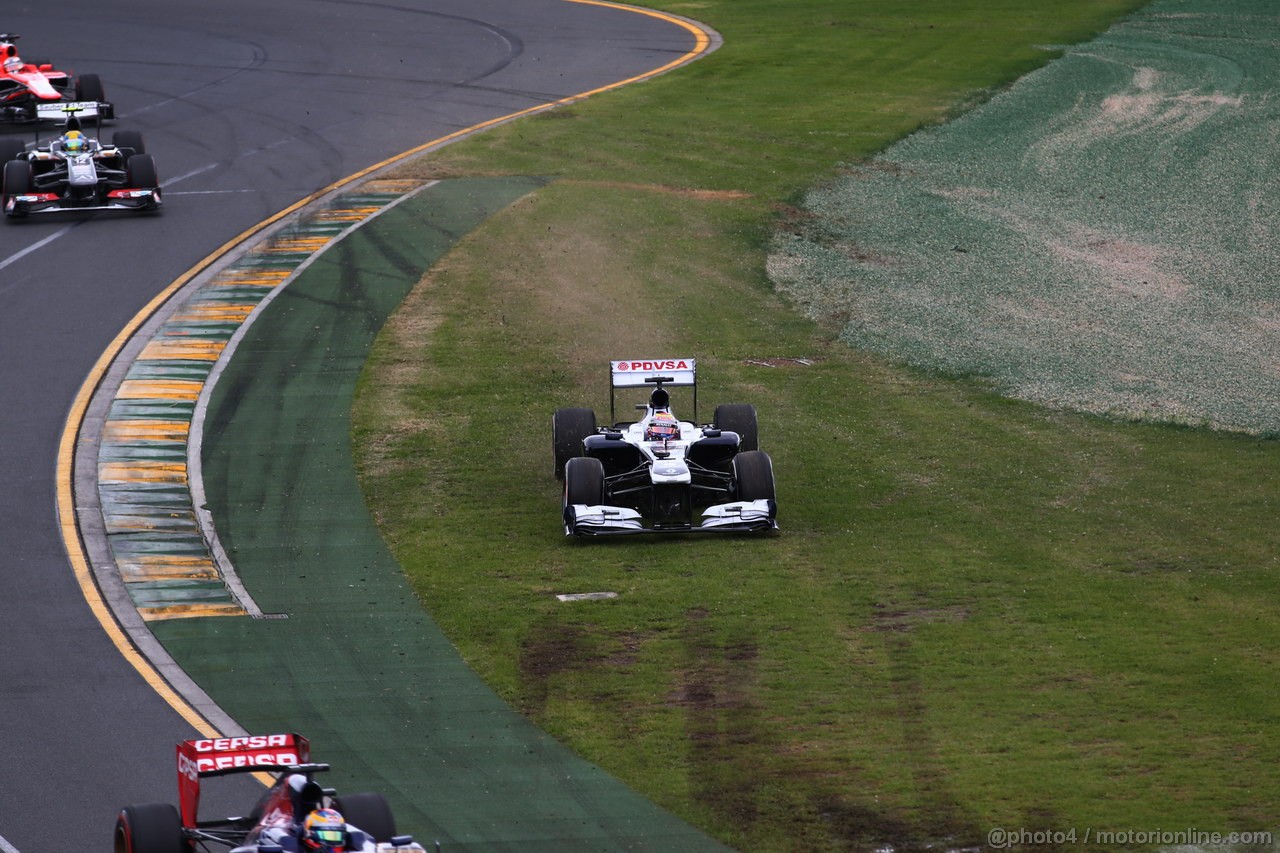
[
  {"x": 295, "y": 813},
  {"x": 36, "y": 91}
]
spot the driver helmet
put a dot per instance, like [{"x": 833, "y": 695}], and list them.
[
  {"x": 73, "y": 142},
  {"x": 663, "y": 427},
  {"x": 324, "y": 830},
  {"x": 13, "y": 64}
]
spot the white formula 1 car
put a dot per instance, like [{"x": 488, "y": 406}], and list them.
[
  {"x": 660, "y": 474},
  {"x": 76, "y": 172}
]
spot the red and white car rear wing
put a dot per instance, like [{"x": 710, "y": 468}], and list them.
[{"x": 198, "y": 759}]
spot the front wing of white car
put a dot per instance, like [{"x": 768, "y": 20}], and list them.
[
  {"x": 736, "y": 517},
  {"x": 36, "y": 203}
]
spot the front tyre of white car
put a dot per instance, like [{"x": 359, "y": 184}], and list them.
[
  {"x": 753, "y": 476},
  {"x": 18, "y": 180},
  {"x": 141, "y": 170},
  {"x": 583, "y": 481}
]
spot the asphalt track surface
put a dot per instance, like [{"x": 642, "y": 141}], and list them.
[{"x": 248, "y": 107}]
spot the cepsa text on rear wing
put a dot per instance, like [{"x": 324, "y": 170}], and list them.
[{"x": 204, "y": 757}]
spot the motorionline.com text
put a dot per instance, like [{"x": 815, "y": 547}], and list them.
[{"x": 1002, "y": 838}]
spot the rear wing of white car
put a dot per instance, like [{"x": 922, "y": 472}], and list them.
[
  {"x": 654, "y": 372},
  {"x": 60, "y": 111}
]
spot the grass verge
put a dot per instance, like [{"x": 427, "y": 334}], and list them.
[{"x": 978, "y": 613}]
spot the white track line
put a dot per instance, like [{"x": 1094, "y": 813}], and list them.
[
  {"x": 16, "y": 256},
  {"x": 192, "y": 173},
  {"x": 56, "y": 234}
]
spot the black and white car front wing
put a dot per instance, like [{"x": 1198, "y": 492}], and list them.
[{"x": 736, "y": 517}]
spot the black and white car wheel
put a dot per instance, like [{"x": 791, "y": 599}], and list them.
[
  {"x": 130, "y": 139},
  {"x": 739, "y": 418},
  {"x": 753, "y": 476},
  {"x": 568, "y": 429},
  {"x": 89, "y": 88},
  {"x": 583, "y": 481}
]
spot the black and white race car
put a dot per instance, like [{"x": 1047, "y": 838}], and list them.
[
  {"x": 76, "y": 172},
  {"x": 659, "y": 474}
]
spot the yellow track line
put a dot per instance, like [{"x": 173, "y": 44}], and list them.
[{"x": 67, "y": 521}]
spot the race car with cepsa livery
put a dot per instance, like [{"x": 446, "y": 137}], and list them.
[
  {"x": 658, "y": 474},
  {"x": 276, "y": 824},
  {"x": 36, "y": 91},
  {"x": 76, "y": 172}
]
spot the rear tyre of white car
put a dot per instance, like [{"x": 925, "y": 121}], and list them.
[
  {"x": 568, "y": 429},
  {"x": 583, "y": 481},
  {"x": 739, "y": 418},
  {"x": 130, "y": 139},
  {"x": 11, "y": 149},
  {"x": 368, "y": 812},
  {"x": 150, "y": 828},
  {"x": 753, "y": 476}
]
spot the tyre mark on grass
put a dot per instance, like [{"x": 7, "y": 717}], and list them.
[
  {"x": 941, "y": 814},
  {"x": 724, "y": 725}
]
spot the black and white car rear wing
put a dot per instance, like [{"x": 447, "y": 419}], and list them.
[
  {"x": 657, "y": 372},
  {"x": 59, "y": 111}
]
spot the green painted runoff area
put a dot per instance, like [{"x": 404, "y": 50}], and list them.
[{"x": 357, "y": 666}]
